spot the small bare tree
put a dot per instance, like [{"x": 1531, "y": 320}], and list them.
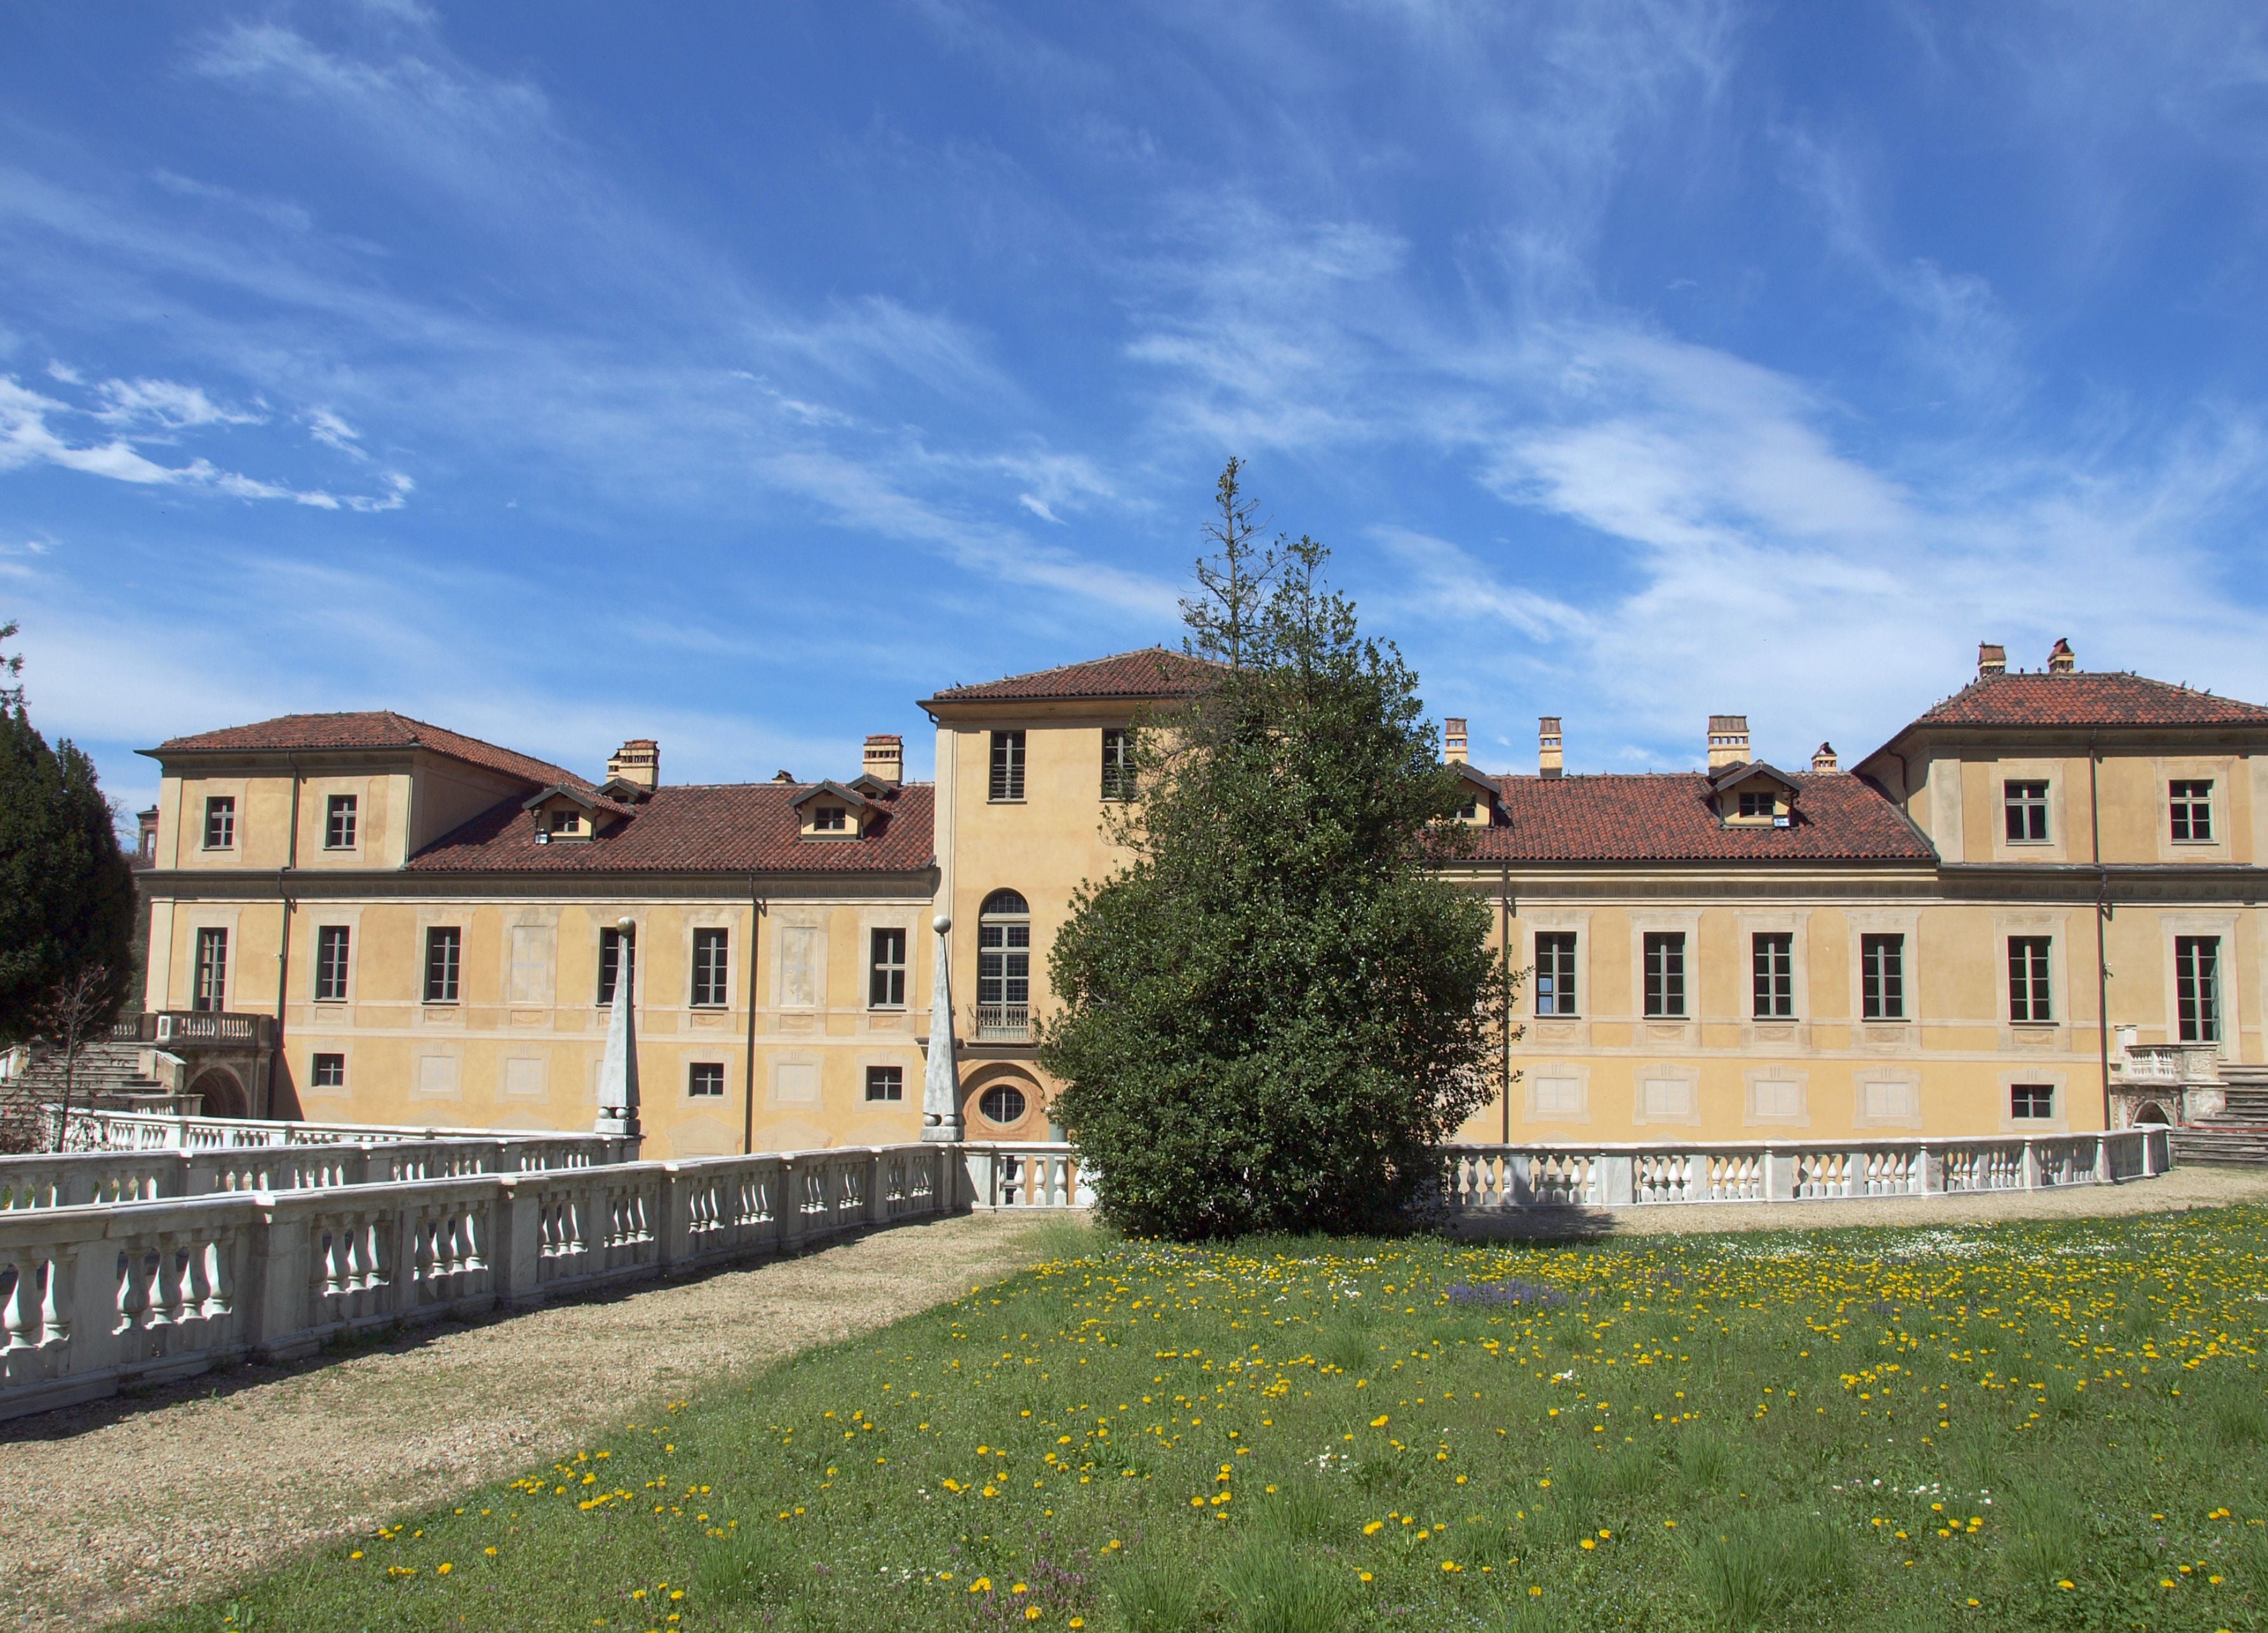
[{"x": 76, "y": 1012}]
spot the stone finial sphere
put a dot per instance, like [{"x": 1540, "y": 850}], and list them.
[
  {"x": 626, "y": 924},
  {"x": 942, "y": 922}
]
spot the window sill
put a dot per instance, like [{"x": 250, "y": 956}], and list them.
[
  {"x": 1017, "y": 800},
  {"x": 1886, "y": 1020},
  {"x": 2196, "y": 845}
]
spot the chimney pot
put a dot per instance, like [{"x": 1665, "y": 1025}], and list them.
[
  {"x": 1728, "y": 740},
  {"x": 1990, "y": 659},
  {"x": 637, "y": 760},
  {"x": 886, "y": 756},
  {"x": 1549, "y": 757},
  {"x": 2062, "y": 659},
  {"x": 1823, "y": 759},
  {"x": 1453, "y": 740}
]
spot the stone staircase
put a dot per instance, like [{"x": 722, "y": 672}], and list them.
[
  {"x": 2238, "y": 1133},
  {"x": 109, "y": 1073}
]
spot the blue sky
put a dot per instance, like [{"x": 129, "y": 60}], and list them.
[{"x": 736, "y": 375}]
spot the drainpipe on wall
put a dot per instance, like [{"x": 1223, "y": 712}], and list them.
[
  {"x": 748, "y": 1083},
  {"x": 284, "y": 942},
  {"x": 2102, "y": 914},
  {"x": 1505, "y": 897}
]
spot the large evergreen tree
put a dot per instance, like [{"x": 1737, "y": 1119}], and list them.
[
  {"x": 1273, "y": 1014},
  {"x": 66, "y": 893}
]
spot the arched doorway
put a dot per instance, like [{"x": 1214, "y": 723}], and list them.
[{"x": 224, "y": 1095}]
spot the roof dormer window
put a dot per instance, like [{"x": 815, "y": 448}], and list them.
[
  {"x": 830, "y": 819},
  {"x": 564, "y": 820},
  {"x": 1752, "y": 794},
  {"x": 1754, "y": 805},
  {"x": 834, "y": 811}
]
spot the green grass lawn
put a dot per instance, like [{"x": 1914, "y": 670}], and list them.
[{"x": 2041, "y": 1425}]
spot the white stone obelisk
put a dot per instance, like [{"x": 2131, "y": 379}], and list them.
[
  {"x": 618, "y": 1074},
  {"x": 941, "y": 1079}
]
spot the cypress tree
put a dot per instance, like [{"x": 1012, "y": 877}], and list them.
[
  {"x": 1273, "y": 1014},
  {"x": 66, "y": 893}
]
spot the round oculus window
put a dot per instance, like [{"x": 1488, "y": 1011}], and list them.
[{"x": 1002, "y": 1104}]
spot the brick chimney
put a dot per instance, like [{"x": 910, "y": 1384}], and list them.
[
  {"x": 886, "y": 756},
  {"x": 637, "y": 760},
  {"x": 1549, "y": 760},
  {"x": 1453, "y": 740},
  {"x": 1728, "y": 740},
  {"x": 1823, "y": 760},
  {"x": 1990, "y": 659},
  {"x": 2061, "y": 659}
]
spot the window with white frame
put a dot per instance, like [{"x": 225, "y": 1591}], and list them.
[
  {"x": 886, "y": 969},
  {"x": 1772, "y": 955},
  {"x": 1117, "y": 762},
  {"x": 712, "y": 963},
  {"x": 2031, "y": 1102},
  {"x": 2024, "y": 811},
  {"x": 2197, "y": 988},
  {"x": 339, "y": 823},
  {"x": 1007, "y": 782},
  {"x": 444, "y": 948},
  {"x": 328, "y": 1072},
  {"x": 220, "y": 822},
  {"x": 1003, "y": 955},
  {"x": 1555, "y": 973},
  {"x": 704, "y": 1080},
  {"x": 332, "y": 944},
  {"x": 1665, "y": 974},
  {"x": 210, "y": 994},
  {"x": 885, "y": 1083},
  {"x": 2027, "y": 979},
  {"x": 1882, "y": 977},
  {"x": 2190, "y": 802}
]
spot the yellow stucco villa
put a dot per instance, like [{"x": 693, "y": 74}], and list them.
[{"x": 2035, "y": 908}]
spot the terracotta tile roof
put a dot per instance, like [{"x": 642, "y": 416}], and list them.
[
  {"x": 1152, "y": 672},
  {"x": 2082, "y": 697},
  {"x": 1668, "y": 817},
  {"x": 729, "y": 827},
  {"x": 377, "y": 728}
]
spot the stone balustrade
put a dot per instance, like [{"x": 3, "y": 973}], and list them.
[
  {"x": 1482, "y": 1179},
  {"x": 95, "y": 1129},
  {"x": 101, "y": 1296}
]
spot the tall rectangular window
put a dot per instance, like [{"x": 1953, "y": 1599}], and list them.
[
  {"x": 1665, "y": 974},
  {"x": 331, "y": 946},
  {"x": 610, "y": 964},
  {"x": 704, "y": 1080},
  {"x": 2025, "y": 805},
  {"x": 220, "y": 822},
  {"x": 1882, "y": 977},
  {"x": 2027, "y": 979},
  {"x": 886, "y": 973},
  {"x": 2031, "y": 1102},
  {"x": 885, "y": 1083},
  {"x": 210, "y": 995},
  {"x": 2192, "y": 803},
  {"x": 1774, "y": 960},
  {"x": 339, "y": 823},
  {"x": 712, "y": 962},
  {"x": 1555, "y": 973},
  {"x": 330, "y": 1072},
  {"x": 1003, "y": 963},
  {"x": 2197, "y": 988},
  {"x": 444, "y": 945},
  {"x": 1117, "y": 762},
  {"x": 1007, "y": 765}
]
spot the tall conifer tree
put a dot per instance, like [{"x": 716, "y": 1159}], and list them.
[
  {"x": 1278, "y": 1010},
  {"x": 66, "y": 893}
]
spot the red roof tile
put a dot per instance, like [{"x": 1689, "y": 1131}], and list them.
[
  {"x": 2082, "y": 698},
  {"x": 730, "y": 828},
  {"x": 1152, "y": 672},
  {"x": 379, "y": 728},
  {"x": 1668, "y": 817}
]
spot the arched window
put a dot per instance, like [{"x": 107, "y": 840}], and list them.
[{"x": 1004, "y": 967}]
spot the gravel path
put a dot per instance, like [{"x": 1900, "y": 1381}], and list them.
[{"x": 128, "y": 1504}]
